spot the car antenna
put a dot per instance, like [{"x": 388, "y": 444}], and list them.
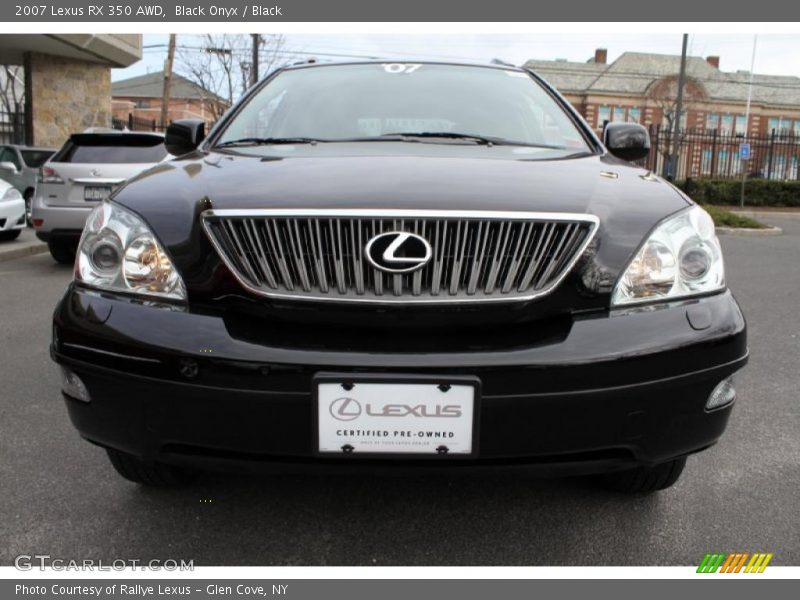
[{"x": 499, "y": 61}]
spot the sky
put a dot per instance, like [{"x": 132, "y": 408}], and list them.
[{"x": 776, "y": 54}]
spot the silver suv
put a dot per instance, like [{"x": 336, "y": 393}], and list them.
[
  {"x": 82, "y": 174},
  {"x": 19, "y": 166}
]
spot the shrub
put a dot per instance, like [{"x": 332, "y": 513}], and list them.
[
  {"x": 757, "y": 192},
  {"x": 726, "y": 218}
]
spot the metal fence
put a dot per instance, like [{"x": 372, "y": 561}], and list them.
[
  {"x": 12, "y": 126},
  {"x": 133, "y": 123},
  {"x": 716, "y": 154}
]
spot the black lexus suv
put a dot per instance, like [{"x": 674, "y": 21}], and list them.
[{"x": 382, "y": 265}]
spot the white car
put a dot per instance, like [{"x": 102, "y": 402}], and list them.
[
  {"x": 12, "y": 212},
  {"x": 81, "y": 175}
]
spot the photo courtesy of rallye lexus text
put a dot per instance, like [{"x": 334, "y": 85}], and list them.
[{"x": 406, "y": 266}]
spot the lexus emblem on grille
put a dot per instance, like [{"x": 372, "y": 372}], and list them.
[
  {"x": 398, "y": 252},
  {"x": 345, "y": 409}
]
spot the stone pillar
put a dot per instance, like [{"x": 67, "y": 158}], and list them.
[{"x": 64, "y": 96}]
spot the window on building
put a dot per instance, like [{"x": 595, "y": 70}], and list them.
[
  {"x": 728, "y": 163},
  {"x": 712, "y": 121},
  {"x": 797, "y": 127},
  {"x": 722, "y": 163},
  {"x": 741, "y": 125},
  {"x": 619, "y": 114},
  {"x": 603, "y": 114},
  {"x": 668, "y": 122},
  {"x": 635, "y": 115},
  {"x": 726, "y": 123},
  {"x": 779, "y": 124},
  {"x": 705, "y": 163},
  {"x": 778, "y": 167},
  {"x": 143, "y": 104}
]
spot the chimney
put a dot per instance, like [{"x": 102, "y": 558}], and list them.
[
  {"x": 713, "y": 61},
  {"x": 600, "y": 56}
]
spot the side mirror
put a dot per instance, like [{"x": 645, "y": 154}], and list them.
[
  {"x": 628, "y": 141},
  {"x": 184, "y": 136},
  {"x": 7, "y": 165}
]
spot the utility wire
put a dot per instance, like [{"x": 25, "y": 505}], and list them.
[{"x": 555, "y": 68}]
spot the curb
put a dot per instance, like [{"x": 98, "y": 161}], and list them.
[
  {"x": 764, "y": 214},
  {"x": 27, "y": 250},
  {"x": 749, "y": 232}
]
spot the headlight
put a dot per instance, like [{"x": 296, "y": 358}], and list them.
[
  {"x": 118, "y": 252},
  {"x": 12, "y": 194},
  {"x": 681, "y": 258}
]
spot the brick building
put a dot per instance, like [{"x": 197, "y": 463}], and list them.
[
  {"x": 641, "y": 88},
  {"x": 142, "y": 97}
]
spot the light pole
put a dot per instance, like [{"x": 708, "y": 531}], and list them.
[
  {"x": 673, "y": 160},
  {"x": 167, "y": 81},
  {"x": 747, "y": 117},
  {"x": 256, "y": 47}
]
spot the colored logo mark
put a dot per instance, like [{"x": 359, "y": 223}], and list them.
[{"x": 737, "y": 562}]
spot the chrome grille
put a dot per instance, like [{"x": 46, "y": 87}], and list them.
[{"x": 476, "y": 255}]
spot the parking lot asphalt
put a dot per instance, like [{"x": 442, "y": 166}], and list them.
[
  {"x": 61, "y": 497},
  {"x": 25, "y": 245}
]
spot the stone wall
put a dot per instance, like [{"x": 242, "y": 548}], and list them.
[{"x": 64, "y": 96}]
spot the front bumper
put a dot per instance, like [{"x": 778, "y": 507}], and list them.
[{"x": 619, "y": 389}]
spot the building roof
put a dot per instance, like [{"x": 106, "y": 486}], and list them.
[
  {"x": 633, "y": 72},
  {"x": 152, "y": 86}
]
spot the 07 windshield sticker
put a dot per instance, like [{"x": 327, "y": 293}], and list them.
[{"x": 398, "y": 68}]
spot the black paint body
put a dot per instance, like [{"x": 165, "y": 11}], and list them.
[{"x": 567, "y": 383}]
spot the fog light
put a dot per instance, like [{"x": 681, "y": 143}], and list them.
[
  {"x": 73, "y": 387},
  {"x": 722, "y": 395}
]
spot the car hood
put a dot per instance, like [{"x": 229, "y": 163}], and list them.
[{"x": 626, "y": 199}]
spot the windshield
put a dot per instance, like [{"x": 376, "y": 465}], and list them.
[{"x": 343, "y": 102}]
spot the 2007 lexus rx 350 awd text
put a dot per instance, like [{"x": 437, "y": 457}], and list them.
[{"x": 416, "y": 265}]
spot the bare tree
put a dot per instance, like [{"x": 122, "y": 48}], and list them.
[
  {"x": 12, "y": 88},
  {"x": 663, "y": 94},
  {"x": 221, "y": 64}
]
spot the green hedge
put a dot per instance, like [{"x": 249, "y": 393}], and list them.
[
  {"x": 726, "y": 218},
  {"x": 757, "y": 192}
]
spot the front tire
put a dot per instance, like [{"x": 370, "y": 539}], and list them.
[
  {"x": 7, "y": 236},
  {"x": 62, "y": 252},
  {"x": 148, "y": 473},
  {"x": 644, "y": 480}
]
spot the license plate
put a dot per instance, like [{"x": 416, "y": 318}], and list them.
[
  {"x": 96, "y": 193},
  {"x": 385, "y": 416}
]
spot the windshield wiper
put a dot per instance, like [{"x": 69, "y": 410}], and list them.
[
  {"x": 484, "y": 140},
  {"x": 386, "y": 137},
  {"x": 448, "y": 135},
  {"x": 266, "y": 141}
]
